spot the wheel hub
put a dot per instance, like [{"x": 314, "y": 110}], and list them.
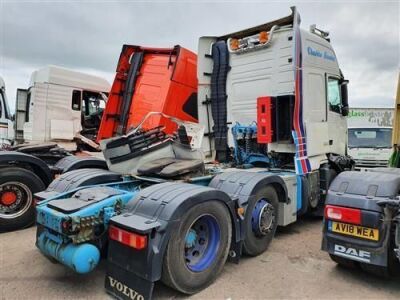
[
  {"x": 263, "y": 218},
  {"x": 191, "y": 238},
  {"x": 15, "y": 199},
  {"x": 8, "y": 198},
  {"x": 201, "y": 243}
]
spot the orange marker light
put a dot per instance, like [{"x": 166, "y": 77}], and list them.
[
  {"x": 234, "y": 43},
  {"x": 263, "y": 38}
]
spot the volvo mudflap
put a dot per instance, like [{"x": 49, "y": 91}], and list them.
[
  {"x": 177, "y": 232},
  {"x": 360, "y": 223}
]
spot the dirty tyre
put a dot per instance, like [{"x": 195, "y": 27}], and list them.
[
  {"x": 198, "y": 248},
  {"x": 17, "y": 187},
  {"x": 343, "y": 262},
  {"x": 261, "y": 221}
]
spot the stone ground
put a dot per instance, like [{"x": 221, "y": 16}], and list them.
[{"x": 293, "y": 268}]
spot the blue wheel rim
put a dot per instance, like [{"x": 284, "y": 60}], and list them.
[
  {"x": 257, "y": 220},
  {"x": 202, "y": 243}
]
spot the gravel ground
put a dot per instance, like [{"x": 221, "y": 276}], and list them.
[{"x": 293, "y": 267}]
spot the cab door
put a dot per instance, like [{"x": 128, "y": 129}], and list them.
[{"x": 337, "y": 125}]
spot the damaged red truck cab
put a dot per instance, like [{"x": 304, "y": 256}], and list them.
[{"x": 151, "y": 80}]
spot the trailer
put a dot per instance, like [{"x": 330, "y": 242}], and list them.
[
  {"x": 272, "y": 106},
  {"x": 362, "y": 215},
  {"x": 161, "y": 77}
]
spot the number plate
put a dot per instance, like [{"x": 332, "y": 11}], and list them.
[{"x": 354, "y": 230}]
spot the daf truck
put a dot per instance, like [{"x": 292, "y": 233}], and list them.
[
  {"x": 272, "y": 135},
  {"x": 362, "y": 216}
]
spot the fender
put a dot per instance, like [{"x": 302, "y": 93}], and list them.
[
  {"x": 240, "y": 185},
  {"x": 70, "y": 163},
  {"x": 157, "y": 211},
  {"x": 40, "y": 168}
]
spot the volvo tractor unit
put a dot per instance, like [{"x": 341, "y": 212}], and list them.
[{"x": 271, "y": 136}]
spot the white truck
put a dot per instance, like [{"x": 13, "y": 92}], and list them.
[
  {"x": 273, "y": 102},
  {"x": 60, "y": 108},
  {"x": 369, "y": 136},
  {"x": 58, "y": 105}
]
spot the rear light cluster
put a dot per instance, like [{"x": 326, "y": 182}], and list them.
[
  {"x": 127, "y": 238},
  {"x": 343, "y": 214}
]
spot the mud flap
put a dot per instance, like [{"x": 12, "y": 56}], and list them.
[
  {"x": 124, "y": 284},
  {"x": 349, "y": 250}
]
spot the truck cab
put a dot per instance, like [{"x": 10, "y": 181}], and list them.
[
  {"x": 58, "y": 105},
  {"x": 370, "y": 147},
  {"x": 6, "y": 123},
  {"x": 370, "y": 136},
  {"x": 282, "y": 85}
]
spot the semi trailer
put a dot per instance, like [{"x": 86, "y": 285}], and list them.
[
  {"x": 272, "y": 106},
  {"x": 362, "y": 215},
  {"x": 163, "y": 79}
]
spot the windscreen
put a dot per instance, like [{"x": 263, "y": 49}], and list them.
[{"x": 370, "y": 137}]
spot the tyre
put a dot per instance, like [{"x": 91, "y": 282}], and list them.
[
  {"x": 261, "y": 220},
  {"x": 17, "y": 186},
  {"x": 197, "y": 250},
  {"x": 343, "y": 262}
]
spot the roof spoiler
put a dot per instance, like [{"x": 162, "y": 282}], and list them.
[{"x": 264, "y": 27}]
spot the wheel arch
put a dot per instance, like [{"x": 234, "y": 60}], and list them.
[
  {"x": 70, "y": 163},
  {"x": 157, "y": 211},
  {"x": 240, "y": 185},
  {"x": 26, "y": 161}
]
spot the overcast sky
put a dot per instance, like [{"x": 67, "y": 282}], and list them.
[{"x": 88, "y": 35}]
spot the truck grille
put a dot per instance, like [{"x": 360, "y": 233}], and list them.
[{"x": 365, "y": 163}]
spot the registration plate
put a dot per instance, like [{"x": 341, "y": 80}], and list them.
[{"x": 354, "y": 230}]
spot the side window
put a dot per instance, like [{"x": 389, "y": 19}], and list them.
[
  {"x": 28, "y": 107},
  {"x": 76, "y": 100},
  {"x": 333, "y": 94},
  {"x": 92, "y": 102}
]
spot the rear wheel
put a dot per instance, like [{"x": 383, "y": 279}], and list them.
[
  {"x": 261, "y": 221},
  {"x": 197, "y": 250},
  {"x": 17, "y": 186},
  {"x": 343, "y": 262}
]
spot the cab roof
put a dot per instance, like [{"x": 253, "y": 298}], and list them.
[{"x": 66, "y": 77}]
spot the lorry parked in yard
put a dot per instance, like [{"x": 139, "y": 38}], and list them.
[
  {"x": 273, "y": 103},
  {"x": 58, "y": 106},
  {"x": 68, "y": 103},
  {"x": 163, "y": 79},
  {"x": 369, "y": 136},
  {"x": 362, "y": 215}
]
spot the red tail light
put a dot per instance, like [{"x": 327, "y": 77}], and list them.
[
  {"x": 343, "y": 214},
  {"x": 130, "y": 239}
]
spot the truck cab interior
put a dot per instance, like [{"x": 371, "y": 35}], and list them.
[{"x": 91, "y": 104}]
